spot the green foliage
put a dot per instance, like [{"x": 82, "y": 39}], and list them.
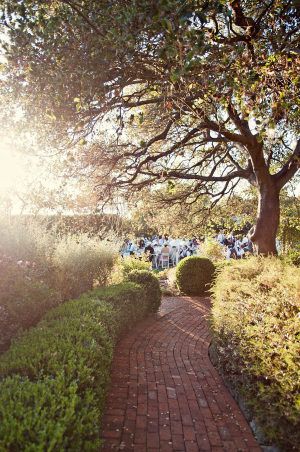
[
  {"x": 150, "y": 285},
  {"x": 212, "y": 249},
  {"x": 54, "y": 377},
  {"x": 256, "y": 323},
  {"x": 23, "y": 300},
  {"x": 194, "y": 275},
  {"x": 46, "y": 415},
  {"x": 156, "y": 209},
  {"x": 96, "y": 225},
  {"x": 127, "y": 264},
  {"x": 29, "y": 242},
  {"x": 79, "y": 261},
  {"x": 293, "y": 257},
  {"x": 289, "y": 230},
  {"x": 39, "y": 269}
]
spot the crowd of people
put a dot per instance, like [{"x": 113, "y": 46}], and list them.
[
  {"x": 235, "y": 246},
  {"x": 164, "y": 251}
]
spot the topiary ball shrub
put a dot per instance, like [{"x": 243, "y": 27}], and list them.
[
  {"x": 151, "y": 285},
  {"x": 194, "y": 275}
]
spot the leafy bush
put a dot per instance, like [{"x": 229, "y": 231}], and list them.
[
  {"x": 51, "y": 415},
  {"x": 23, "y": 300},
  {"x": 39, "y": 269},
  {"x": 293, "y": 257},
  {"x": 79, "y": 261},
  {"x": 194, "y": 275},
  {"x": 26, "y": 240},
  {"x": 54, "y": 377},
  {"x": 212, "y": 249},
  {"x": 151, "y": 286},
  {"x": 69, "y": 263},
  {"x": 127, "y": 264},
  {"x": 256, "y": 324}
]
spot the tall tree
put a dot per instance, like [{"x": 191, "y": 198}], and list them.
[{"x": 206, "y": 92}]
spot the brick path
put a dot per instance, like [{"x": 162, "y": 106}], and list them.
[{"x": 165, "y": 394}]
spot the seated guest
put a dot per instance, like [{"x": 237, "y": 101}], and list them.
[
  {"x": 221, "y": 237},
  {"x": 156, "y": 247},
  {"x": 192, "y": 247},
  {"x": 239, "y": 249},
  {"x": 150, "y": 251},
  {"x": 195, "y": 242},
  {"x": 227, "y": 252},
  {"x": 141, "y": 243},
  {"x": 124, "y": 248},
  {"x": 231, "y": 239},
  {"x": 247, "y": 245},
  {"x": 250, "y": 247},
  {"x": 245, "y": 240},
  {"x": 131, "y": 248},
  {"x": 231, "y": 251},
  {"x": 165, "y": 249},
  {"x": 184, "y": 252}
]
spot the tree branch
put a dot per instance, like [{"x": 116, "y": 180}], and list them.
[
  {"x": 84, "y": 17},
  {"x": 231, "y": 136},
  {"x": 289, "y": 169},
  {"x": 228, "y": 177}
]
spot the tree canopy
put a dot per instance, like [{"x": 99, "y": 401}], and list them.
[{"x": 144, "y": 91}]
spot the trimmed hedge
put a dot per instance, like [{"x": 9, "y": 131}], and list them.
[
  {"x": 54, "y": 377},
  {"x": 256, "y": 325},
  {"x": 194, "y": 275},
  {"x": 151, "y": 285}
]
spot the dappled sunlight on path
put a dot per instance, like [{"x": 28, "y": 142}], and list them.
[{"x": 165, "y": 395}]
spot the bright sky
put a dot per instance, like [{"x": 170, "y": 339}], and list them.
[
  {"x": 19, "y": 173},
  {"x": 22, "y": 175},
  {"x": 12, "y": 169}
]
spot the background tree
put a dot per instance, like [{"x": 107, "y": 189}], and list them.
[
  {"x": 197, "y": 91},
  {"x": 156, "y": 213}
]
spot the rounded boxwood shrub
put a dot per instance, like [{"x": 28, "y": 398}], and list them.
[
  {"x": 194, "y": 275},
  {"x": 150, "y": 284}
]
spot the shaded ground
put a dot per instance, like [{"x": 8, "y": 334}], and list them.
[{"x": 165, "y": 394}]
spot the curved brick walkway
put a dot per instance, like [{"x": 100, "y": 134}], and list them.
[{"x": 165, "y": 394}]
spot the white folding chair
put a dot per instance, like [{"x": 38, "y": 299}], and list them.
[{"x": 165, "y": 260}]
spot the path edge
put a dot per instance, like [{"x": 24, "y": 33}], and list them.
[{"x": 247, "y": 412}]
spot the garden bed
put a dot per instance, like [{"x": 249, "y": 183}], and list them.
[{"x": 256, "y": 324}]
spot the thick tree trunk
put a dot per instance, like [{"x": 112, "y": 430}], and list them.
[{"x": 267, "y": 222}]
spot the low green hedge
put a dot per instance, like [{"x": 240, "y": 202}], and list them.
[
  {"x": 151, "y": 285},
  {"x": 54, "y": 377},
  {"x": 256, "y": 325},
  {"x": 194, "y": 275}
]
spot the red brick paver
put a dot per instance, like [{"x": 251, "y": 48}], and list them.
[{"x": 165, "y": 395}]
